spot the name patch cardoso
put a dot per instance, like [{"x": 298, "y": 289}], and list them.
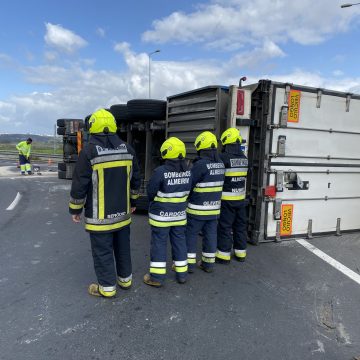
[{"x": 177, "y": 178}]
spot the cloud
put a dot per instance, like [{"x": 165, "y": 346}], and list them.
[
  {"x": 77, "y": 89},
  {"x": 100, "y": 32},
  {"x": 233, "y": 24},
  {"x": 63, "y": 39}
]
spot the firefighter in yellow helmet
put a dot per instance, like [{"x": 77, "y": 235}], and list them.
[
  {"x": 24, "y": 148},
  {"x": 168, "y": 190},
  {"x": 106, "y": 182},
  {"x": 232, "y": 225},
  {"x": 207, "y": 176}
]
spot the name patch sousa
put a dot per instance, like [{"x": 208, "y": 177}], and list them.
[{"x": 287, "y": 212}]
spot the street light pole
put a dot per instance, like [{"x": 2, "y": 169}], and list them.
[
  {"x": 348, "y": 5},
  {"x": 149, "y": 55}
]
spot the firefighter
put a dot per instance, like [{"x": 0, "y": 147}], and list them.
[
  {"x": 24, "y": 148},
  {"x": 232, "y": 225},
  {"x": 207, "y": 176},
  {"x": 168, "y": 190},
  {"x": 106, "y": 182}
]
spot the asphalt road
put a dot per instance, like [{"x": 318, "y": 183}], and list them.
[{"x": 283, "y": 303}]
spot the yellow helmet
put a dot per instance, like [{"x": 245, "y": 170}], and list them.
[
  {"x": 173, "y": 148},
  {"x": 206, "y": 140},
  {"x": 231, "y": 136},
  {"x": 101, "y": 120}
]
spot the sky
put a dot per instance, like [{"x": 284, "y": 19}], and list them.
[{"x": 65, "y": 59}]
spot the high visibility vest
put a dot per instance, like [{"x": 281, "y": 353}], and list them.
[{"x": 24, "y": 148}]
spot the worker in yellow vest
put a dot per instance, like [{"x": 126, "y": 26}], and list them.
[{"x": 24, "y": 148}]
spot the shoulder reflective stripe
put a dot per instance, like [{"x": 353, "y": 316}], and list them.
[
  {"x": 112, "y": 164},
  {"x": 209, "y": 184},
  {"x": 167, "y": 223},
  {"x": 158, "y": 264},
  {"x": 170, "y": 200},
  {"x": 204, "y": 207},
  {"x": 95, "y": 194},
  {"x": 101, "y": 194},
  {"x": 77, "y": 201},
  {"x": 107, "y": 158},
  {"x": 191, "y": 255},
  {"x": 118, "y": 225},
  {"x": 167, "y": 218},
  {"x": 180, "y": 263},
  {"x": 208, "y": 189},
  {"x": 107, "y": 221},
  {"x": 76, "y": 207},
  {"x": 203, "y": 212},
  {"x": 173, "y": 194}
]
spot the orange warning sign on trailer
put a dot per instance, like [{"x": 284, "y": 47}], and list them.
[
  {"x": 294, "y": 106},
  {"x": 287, "y": 212}
]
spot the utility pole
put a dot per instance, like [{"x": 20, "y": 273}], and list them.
[{"x": 149, "y": 55}]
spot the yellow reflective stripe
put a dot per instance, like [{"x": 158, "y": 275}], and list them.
[
  {"x": 208, "y": 189},
  {"x": 134, "y": 196},
  {"x": 112, "y": 164},
  {"x": 203, "y": 212},
  {"x": 128, "y": 188},
  {"x": 107, "y": 293},
  {"x": 191, "y": 261},
  {"x": 236, "y": 197},
  {"x": 236, "y": 173},
  {"x": 208, "y": 260},
  {"x": 223, "y": 257},
  {"x": 241, "y": 255},
  {"x": 160, "y": 271},
  {"x": 107, "y": 227},
  {"x": 170, "y": 200},
  {"x": 125, "y": 284},
  {"x": 181, "y": 269},
  {"x": 166, "y": 223},
  {"x": 75, "y": 206},
  {"x": 101, "y": 194}
]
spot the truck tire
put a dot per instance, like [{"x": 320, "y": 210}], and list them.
[
  {"x": 61, "y": 174},
  {"x": 120, "y": 113},
  {"x": 62, "y": 166},
  {"x": 69, "y": 149},
  {"x": 143, "y": 109},
  {"x": 60, "y": 122},
  {"x": 61, "y": 131}
]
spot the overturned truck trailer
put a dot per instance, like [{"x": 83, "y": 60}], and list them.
[{"x": 303, "y": 150}]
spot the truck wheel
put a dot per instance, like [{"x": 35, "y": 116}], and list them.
[
  {"x": 61, "y": 174},
  {"x": 60, "y": 122},
  {"x": 62, "y": 166},
  {"x": 120, "y": 113},
  {"x": 61, "y": 130},
  {"x": 143, "y": 109}
]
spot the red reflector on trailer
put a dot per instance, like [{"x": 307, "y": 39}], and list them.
[
  {"x": 270, "y": 191},
  {"x": 240, "y": 105}
]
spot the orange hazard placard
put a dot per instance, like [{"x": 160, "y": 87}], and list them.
[
  {"x": 294, "y": 106},
  {"x": 287, "y": 212}
]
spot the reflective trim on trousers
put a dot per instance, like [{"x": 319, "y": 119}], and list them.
[
  {"x": 166, "y": 223},
  {"x": 28, "y": 167},
  {"x": 181, "y": 266},
  {"x": 99, "y": 228},
  {"x": 240, "y": 253},
  {"x": 203, "y": 212},
  {"x": 22, "y": 168},
  {"x": 125, "y": 282},
  {"x": 158, "y": 267},
  {"x": 204, "y": 207},
  {"x": 108, "y": 158},
  {"x": 107, "y": 291},
  {"x": 208, "y": 257},
  {"x": 210, "y": 184},
  {"x": 223, "y": 255},
  {"x": 191, "y": 258}
]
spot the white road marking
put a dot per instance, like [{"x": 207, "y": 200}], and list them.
[
  {"x": 334, "y": 263},
  {"x": 15, "y": 202}
]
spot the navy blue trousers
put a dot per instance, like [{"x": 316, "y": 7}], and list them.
[
  {"x": 107, "y": 246},
  {"x": 232, "y": 226},
  {"x": 159, "y": 239},
  {"x": 193, "y": 229}
]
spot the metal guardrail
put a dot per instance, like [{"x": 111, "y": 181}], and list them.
[{"x": 36, "y": 157}]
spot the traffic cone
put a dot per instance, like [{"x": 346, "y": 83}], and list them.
[{"x": 49, "y": 162}]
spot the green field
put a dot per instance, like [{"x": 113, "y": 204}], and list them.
[{"x": 39, "y": 148}]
